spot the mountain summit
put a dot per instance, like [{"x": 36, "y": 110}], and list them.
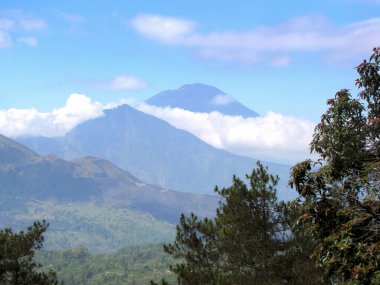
[
  {"x": 151, "y": 149},
  {"x": 201, "y": 98}
]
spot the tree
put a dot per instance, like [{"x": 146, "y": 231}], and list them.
[
  {"x": 340, "y": 192},
  {"x": 17, "y": 264},
  {"x": 250, "y": 241}
]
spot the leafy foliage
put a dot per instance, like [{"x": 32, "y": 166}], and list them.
[
  {"x": 17, "y": 250},
  {"x": 340, "y": 193},
  {"x": 250, "y": 241}
]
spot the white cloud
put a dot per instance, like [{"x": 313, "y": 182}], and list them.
[
  {"x": 222, "y": 99},
  {"x": 32, "y": 24},
  {"x": 272, "y": 137},
  {"x": 18, "y": 20},
  {"x": 5, "y": 40},
  {"x": 164, "y": 29},
  {"x": 30, "y": 41},
  {"x": 273, "y": 44},
  {"x": 123, "y": 82},
  {"x": 74, "y": 21},
  {"x": 6, "y": 24},
  {"x": 72, "y": 18},
  {"x": 15, "y": 23},
  {"x": 22, "y": 122},
  {"x": 118, "y": 83},
  {"x": 281, "y": 60}
]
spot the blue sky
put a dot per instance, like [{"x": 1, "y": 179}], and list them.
[{"x": 286, "y": 57}]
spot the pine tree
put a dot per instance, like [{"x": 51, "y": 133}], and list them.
[
  {"x": 17, "y": 264},
  {"x": 250, "y": 241}
]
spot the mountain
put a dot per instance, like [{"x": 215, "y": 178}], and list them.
[
  {"x": 91, "y": 179},
  {"x": 201, "y": 98},
  {"x": 14, "y": 156},
  {"x": 154, "y": 151},
  {"x": 88, "y": 201}
]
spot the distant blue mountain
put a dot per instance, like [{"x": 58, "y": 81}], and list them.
[
  {"x": 201, "y": 98},
  {"x": 88, "y": 201},
  {"x": 154, "y": 151},
  {"x": 26, "y": 175}
]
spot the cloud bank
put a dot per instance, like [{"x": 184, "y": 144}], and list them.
[
  {"x": 273, "y": 44},
  {"x": 272, "y": 137},
  {"x": 30, "y": 122}
]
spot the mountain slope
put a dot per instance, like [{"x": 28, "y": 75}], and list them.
[
  {"x": 89, "y": 201},
  {"x": 201, "y": 98},
  {"x": 93, "y": 179},
  {"x": 13, "y": 155},
  {"x": 154, "y": 151},
  {"x": 97, "y": 227}
]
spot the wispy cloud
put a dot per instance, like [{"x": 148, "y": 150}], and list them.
[
  {"x": 30, "y": 41},
  {"x": 164, "y": 29},
  {"x": 32, "y": 24},
  {"x": 370, "y": 2},
  {"x": 72, "y": 18},
  {"x": 121, "y": 83},
  {"x": 274, "y": 44},
  {"x": 222, "y": 99},
  {"x": 5, "y": 39},
  {"x": 6, "y": 24},
  {"x": 17, "y": 23},
  {"x": 12, "y": 20},
  {"x": 74, "y": 21},
  {"x": 272, "y": 137}
]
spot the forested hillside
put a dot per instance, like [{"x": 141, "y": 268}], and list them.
[{"x": 131, "y": 265}]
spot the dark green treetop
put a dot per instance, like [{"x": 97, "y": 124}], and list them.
[
  {"x": 250, "y": 241},
  {"x": 17, "y": 264}
]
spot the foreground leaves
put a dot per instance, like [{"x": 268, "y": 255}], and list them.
[{"x": 340, "y": 192}]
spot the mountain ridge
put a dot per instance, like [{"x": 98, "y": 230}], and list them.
[
  {"x": 201, "y": 98},
  {"x": 83, "y": 197},
  {"x": 93, "y": 178},
  {"x": 153, "y": 150}
]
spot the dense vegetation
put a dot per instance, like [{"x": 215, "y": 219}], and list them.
[
  {"x": 341, "y": 198},
  {"x": 250, "y": 241},
  {"x": 131, "y": 265},
  {"x": 99, "y": 228}
]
